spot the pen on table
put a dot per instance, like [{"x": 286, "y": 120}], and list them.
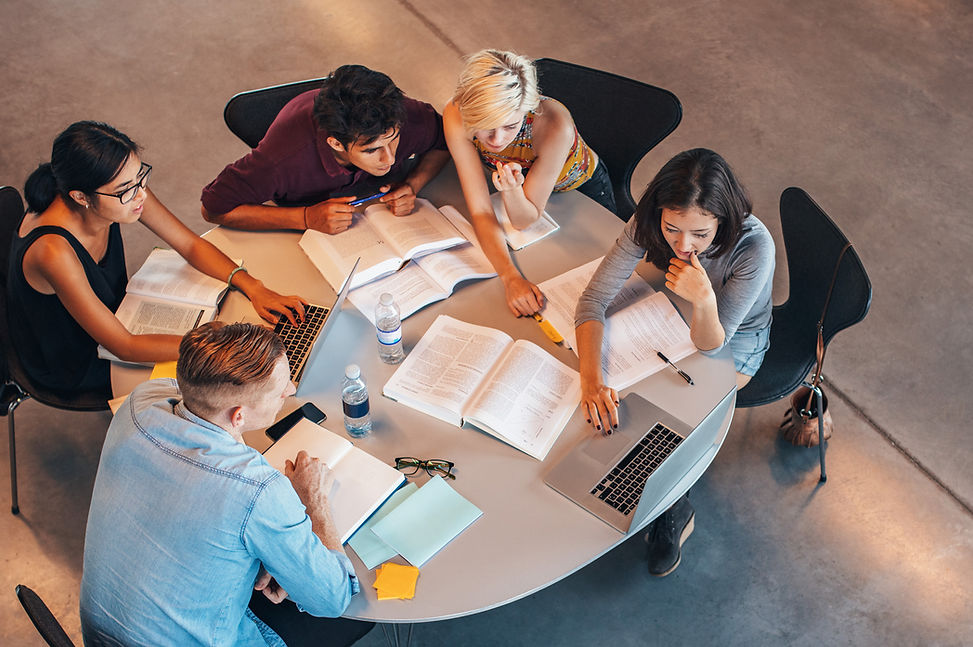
[
  {"x": 355, "y": 203},
  {"x": 548, "y": 329},
  {"x": 681, "y": 372}
]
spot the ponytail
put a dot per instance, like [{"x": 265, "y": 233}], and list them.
[
  {"x": 87, "y": 155},
  {"x": 40, "y": 188}
]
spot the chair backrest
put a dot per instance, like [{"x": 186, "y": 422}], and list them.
[
  {"x": 45, "y": 622},
  {"x": 813, "y": 244},
  {"x": 249, "y": 114},
  {"x": 620, "y": 118},
  {"x": 11, "y": 214}
]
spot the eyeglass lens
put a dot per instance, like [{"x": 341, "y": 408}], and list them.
[{"x": 133, "y": 190}]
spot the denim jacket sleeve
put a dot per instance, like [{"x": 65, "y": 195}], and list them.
[{"x": 278, "y": 533}]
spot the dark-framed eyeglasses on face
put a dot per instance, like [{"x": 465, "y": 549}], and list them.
[
  {"x": 410, "y": 466},
  {"x": 142, "y": 180}
]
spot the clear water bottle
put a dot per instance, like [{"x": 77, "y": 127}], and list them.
[
  {"x": 388, "y": 328},
  {"x": 354, "y": 402}
]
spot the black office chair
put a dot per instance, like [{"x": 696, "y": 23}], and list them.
[
  {"x": 17, "y": 385},
  {"x": 813, "y": 244},
  {"x": 45, "y": 622},
  {"x": 620, "y": 118},
  {"x": 249, "y": 114}
]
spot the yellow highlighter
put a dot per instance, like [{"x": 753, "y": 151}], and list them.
[{"x": 548, "y": 329}]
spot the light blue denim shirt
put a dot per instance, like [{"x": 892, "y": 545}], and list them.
[{"x": 182, "y": 516}]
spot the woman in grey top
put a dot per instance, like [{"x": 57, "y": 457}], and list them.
[{"x": 693, "y": 221}]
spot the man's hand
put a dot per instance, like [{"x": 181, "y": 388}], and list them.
[
  {"x": 267, "y": 585},
  {"x": 331, "y": 216},
  {"x": 400, "y": 199},
  {"x": 312, "y": 480}
]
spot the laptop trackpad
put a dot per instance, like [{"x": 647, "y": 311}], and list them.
[{"x": 604, "y": 448}]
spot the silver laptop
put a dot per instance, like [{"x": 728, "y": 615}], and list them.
[
  {"x": 611, "y": 476},
  {"x": 303, "y": 342}
]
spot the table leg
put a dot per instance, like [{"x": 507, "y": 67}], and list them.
[{"x": 394, "y": 634}]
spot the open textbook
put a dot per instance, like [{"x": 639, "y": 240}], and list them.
[
  {"x": 514, "y": 390},
  {"x": 362, "y": 482},
  {"x": 167, "y": 296},
  {"x": 639, "y": 322},
  {"x": 384, "y": 242},
  {"x": 520, "y": 238},
  {"x": 430, "y": 278}
]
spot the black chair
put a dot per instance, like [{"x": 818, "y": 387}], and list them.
[
  {"x": 620, "y": 118},
  {"x": 249, "y": 114},
  {"x": 813, "y": 244},
  {"x": 45, "y": 622},
  {"x": 17, "y": 385}
]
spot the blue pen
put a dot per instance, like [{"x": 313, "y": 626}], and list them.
[{"x": 355, "y": 203}]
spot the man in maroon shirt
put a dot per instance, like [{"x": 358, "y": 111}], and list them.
[{"x": 356, "y": 136}]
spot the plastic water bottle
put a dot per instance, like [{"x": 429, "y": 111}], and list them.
[
  {"x": 354, "y": 402},
  {"x": 388, "y": 328}
]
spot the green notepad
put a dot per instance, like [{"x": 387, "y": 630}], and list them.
[
  {"x": 370, "y": 549},
  {"x": 425, "y": 522}
]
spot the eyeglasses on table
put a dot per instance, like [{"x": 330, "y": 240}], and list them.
[{"x": 410, "y": 466}]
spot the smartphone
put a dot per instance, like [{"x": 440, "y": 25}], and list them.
[{"x": 282, "y": 426}]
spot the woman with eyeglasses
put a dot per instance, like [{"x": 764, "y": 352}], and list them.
[{"x": 67, "y": 271}]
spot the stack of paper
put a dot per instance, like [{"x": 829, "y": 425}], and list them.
[
  {"x": 396, "y": 581},
  {"x": 414, "y": 523}
]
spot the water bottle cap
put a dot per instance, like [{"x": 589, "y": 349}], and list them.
[
  {"x": 352, "y": 372},
  {"x": 385, "y": 299}
]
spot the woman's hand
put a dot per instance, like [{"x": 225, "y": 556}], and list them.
[
  {"x": 270, "y": 305},
  {"x": 523, "y": 297},
  {"x": 600, "y": 405},
  {"x": 508, "y": 176},
  {"x": 689, "y": 281}
]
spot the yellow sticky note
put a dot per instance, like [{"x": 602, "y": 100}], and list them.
[
  {"x": 395, "y": 581},
  {"x": 163, "y": 369}
]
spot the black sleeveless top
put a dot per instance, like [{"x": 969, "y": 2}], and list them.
[{"x": 53, "y": 348}]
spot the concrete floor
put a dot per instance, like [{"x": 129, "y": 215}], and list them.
[{"x": 865, "y": 105}]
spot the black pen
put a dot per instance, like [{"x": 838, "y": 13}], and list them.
[{"x": 678, "y": 370}]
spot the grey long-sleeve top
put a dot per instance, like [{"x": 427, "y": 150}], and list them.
[{"x": 742, "y": 279}]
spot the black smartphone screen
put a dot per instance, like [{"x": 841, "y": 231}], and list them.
[{"x": 282, "y": 426}]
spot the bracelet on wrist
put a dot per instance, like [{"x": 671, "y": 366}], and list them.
[
  {"x": 305, "y": 217},
  {"x": 229, "y": 280}
]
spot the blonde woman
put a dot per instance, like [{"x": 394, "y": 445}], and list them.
[{"x": 498, "y": 118}]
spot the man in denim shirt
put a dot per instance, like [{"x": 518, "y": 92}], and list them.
[{"x": 187, "y": 522}]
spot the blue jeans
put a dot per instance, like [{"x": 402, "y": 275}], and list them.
[{"x": 749, "y": 348}]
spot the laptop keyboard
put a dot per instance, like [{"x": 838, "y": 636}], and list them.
[
  {"x": 299, "y": 339},
  {"x": 622, "y": 486}
]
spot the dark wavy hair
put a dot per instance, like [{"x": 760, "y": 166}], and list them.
[
  {"x": 87, "y": 155},
  {"x": 356, "y": 103},
  {"x": 694, "y": 178}
]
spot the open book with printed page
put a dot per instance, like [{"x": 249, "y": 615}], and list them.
[
  {"x": 463, "y": 374},
  {"x": 167, "y": 296},
  {"x": 383, "y": 241},
  {"x": 638, "y": 323},
  {"x": 362, "y": 482},
  {"x": 429, "y": 278}
]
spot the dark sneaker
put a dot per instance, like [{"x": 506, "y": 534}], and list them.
[{"x": 666, "y": 536}]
